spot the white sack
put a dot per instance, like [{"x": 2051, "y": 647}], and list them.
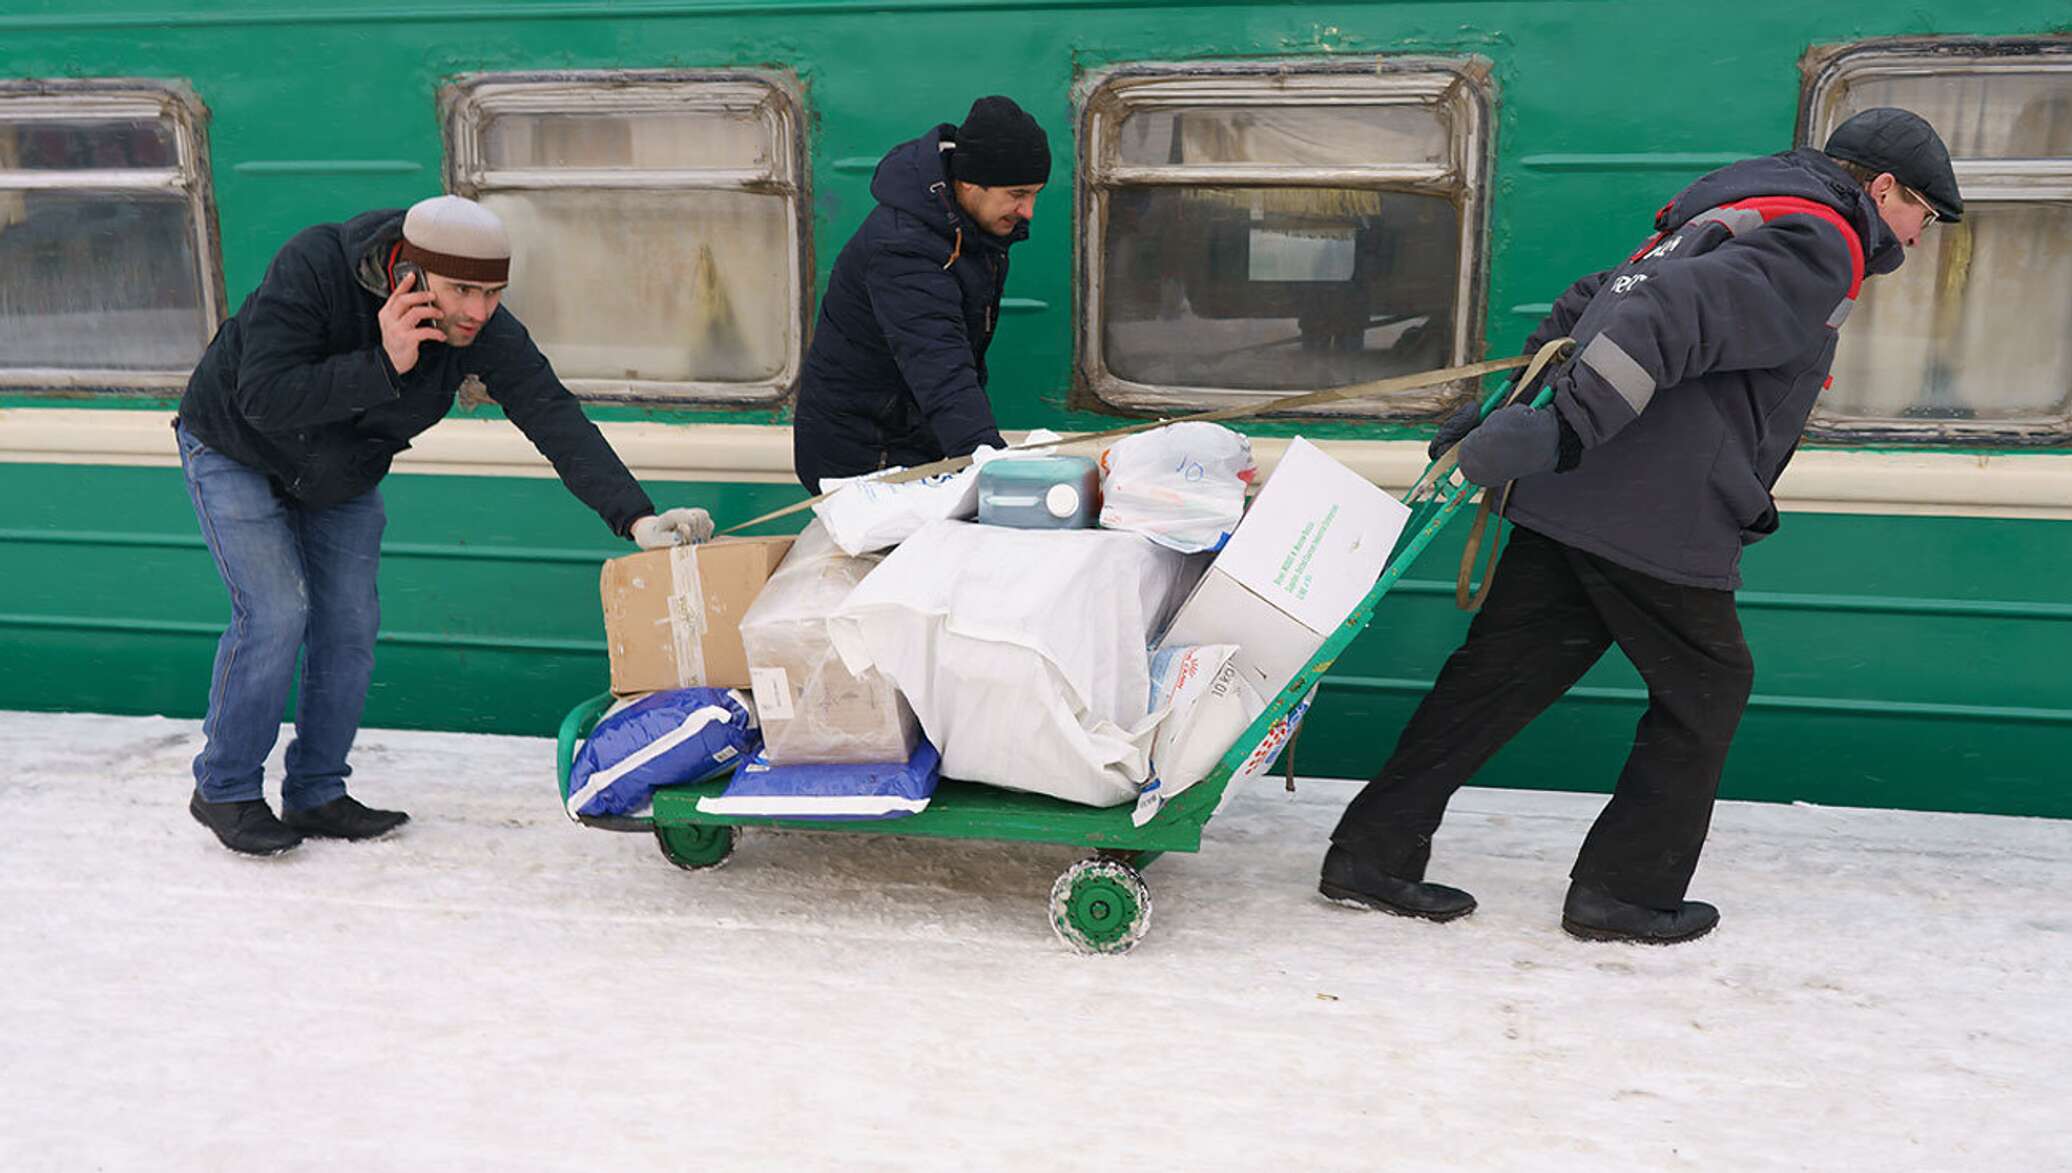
[{"x": 1023, "y": 652}]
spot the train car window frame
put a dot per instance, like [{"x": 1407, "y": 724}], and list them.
[
  {"x": 186, "y": 177},
  {"x": 1987, "y": 183},
  {"x": 471, "y": 102},
  {"x": 1460, "y": 94}
]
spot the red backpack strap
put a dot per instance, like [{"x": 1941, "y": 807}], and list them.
[
  {"x": 1749, "y": 214},
  {"x": 1661, "y": 218}
]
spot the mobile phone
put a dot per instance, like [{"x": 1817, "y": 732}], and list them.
[{"x": 402, "y": 269}]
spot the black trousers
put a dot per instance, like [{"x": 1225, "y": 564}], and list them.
[{"x": 1551, "y": 613}]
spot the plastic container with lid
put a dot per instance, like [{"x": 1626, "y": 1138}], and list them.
[{"x": 1040, "y": 492}]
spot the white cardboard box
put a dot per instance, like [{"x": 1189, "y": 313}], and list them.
[
  {"x": 1272, "y": 646},
  {"x": 1306, "y": 553}
]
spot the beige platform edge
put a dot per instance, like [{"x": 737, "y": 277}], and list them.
[{"x": 1818, "y": 481}]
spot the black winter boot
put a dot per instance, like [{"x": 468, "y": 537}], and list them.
[
  {"x": 247, "y": 828},
  {"x": 1350, "y": 880},
  {"x": 1594, "y": 916},
  {"x": 344, "y": 818}
]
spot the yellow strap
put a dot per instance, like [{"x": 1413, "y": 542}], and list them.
[{"x": 1463, "y": 597}]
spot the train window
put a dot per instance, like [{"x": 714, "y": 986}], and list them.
[
  {"x": 109, "y": 273},
  {"x": 1972, "y": 339},
  {"x": 1267, "y": 229},
  {"x": 657, "y": 221}
]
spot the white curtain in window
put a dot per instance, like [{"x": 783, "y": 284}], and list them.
[
  {"x": 1977, "y": 324},
  {"x": 660, "y": 286}
]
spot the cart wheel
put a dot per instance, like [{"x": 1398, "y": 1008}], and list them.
[
  {"x": 697, "y": 846},
  {"x": 1100, "y": 906}
]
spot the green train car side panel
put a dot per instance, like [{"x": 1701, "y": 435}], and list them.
[
  {"x": 320, "y": 113},
  {"x": 1902, "y": 661},
  {"x": 1883, "y": 678}
]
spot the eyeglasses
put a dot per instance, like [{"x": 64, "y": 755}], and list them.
[{"x": 1916, "y": 196}]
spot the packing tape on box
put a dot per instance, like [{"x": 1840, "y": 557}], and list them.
[{"x": 687, "y": 615}]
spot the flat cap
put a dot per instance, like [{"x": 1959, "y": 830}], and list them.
[{"x": 1888, "y": 138}]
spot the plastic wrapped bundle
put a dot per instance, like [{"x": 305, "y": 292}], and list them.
[{"x": 813, "y": 710}]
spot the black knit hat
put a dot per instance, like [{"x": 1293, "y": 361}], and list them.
[
  {"x": 1887, "y": 138},
  {"x": 999, "y": 145}
]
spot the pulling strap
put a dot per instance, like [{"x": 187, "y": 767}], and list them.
[
  {"x": 1465, "y": 596},
  {"x": 1313, "y": 399}
]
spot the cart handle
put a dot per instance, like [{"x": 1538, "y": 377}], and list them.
[{"x": 1437, "y": 472}]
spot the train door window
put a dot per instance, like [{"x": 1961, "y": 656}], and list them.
[
  {"x": 109, "y": 273},
  {"x": 657, "y": 225},
  {"x": 1259, "y": 230},
  {"x": 1971, "y": 340}
]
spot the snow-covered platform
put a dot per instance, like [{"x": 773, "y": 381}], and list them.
[{"x": 496, "y": 988}]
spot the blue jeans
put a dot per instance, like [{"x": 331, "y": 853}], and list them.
[{"x": 301, "y": 581}]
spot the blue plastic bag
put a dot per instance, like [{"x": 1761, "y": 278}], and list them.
[
  {"x": 664, "y": 739},
  {"x": 884, "y": 790}
]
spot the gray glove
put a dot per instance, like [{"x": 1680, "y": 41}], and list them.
[
  {"x": 1459, "y": 424},
  {"x": 1516, "y": 441},
  {"x": 674, "y": 527}
]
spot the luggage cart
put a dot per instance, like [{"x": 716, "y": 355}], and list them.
[{"x": 1099, "y": 905}]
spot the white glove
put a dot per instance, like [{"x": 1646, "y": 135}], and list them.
[{"x": 675, "y": 527}]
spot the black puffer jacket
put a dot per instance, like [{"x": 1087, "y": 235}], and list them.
[
  {"x": 896, "y": 374},
  {"x": 297, "y": 385},
  {"x": 1697, "y": 363}
]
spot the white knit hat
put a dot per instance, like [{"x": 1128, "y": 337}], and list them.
[{"x": 456, "y": 238}]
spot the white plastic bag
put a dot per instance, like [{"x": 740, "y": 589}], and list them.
[
  {"x": 1022, "y": 651},
  {"x": 1205, "y": 705},
  {"x": 864, "y": 514},
  {"x": 1182, "y": 486},
  {"x": 814, "y": 709}
]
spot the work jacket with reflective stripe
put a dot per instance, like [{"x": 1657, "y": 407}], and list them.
[{"x": 1698, "y": 360}]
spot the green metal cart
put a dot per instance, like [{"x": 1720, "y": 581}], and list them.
[{"x": 1100, "y": 904}]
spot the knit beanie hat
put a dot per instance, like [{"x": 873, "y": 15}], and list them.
[
  {"x": 456, "y": 238},
  {"x": 999, "y": 145}
]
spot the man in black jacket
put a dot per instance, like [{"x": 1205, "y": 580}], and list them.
[
  {"x": 896, "y": 375},
  {"x": 1698, "y": 361},
  {"x": 354, "y": 342}
]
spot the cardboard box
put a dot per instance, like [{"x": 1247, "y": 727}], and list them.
[
  {"x": 672, "y": 618},
  {"x": 1272, "y": 646},
  {"x": 1303, "y": 558}
]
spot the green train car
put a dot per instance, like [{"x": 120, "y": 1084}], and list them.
[{"x": 1249, "y": 199}]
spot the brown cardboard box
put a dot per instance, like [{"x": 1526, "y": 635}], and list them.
[{"x": 672, "y": 618}]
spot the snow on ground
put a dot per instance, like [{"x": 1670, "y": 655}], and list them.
[{"x": 496, "y": 988}]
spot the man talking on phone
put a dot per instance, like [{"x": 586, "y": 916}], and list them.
[{"x": 355, "y": 341}]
